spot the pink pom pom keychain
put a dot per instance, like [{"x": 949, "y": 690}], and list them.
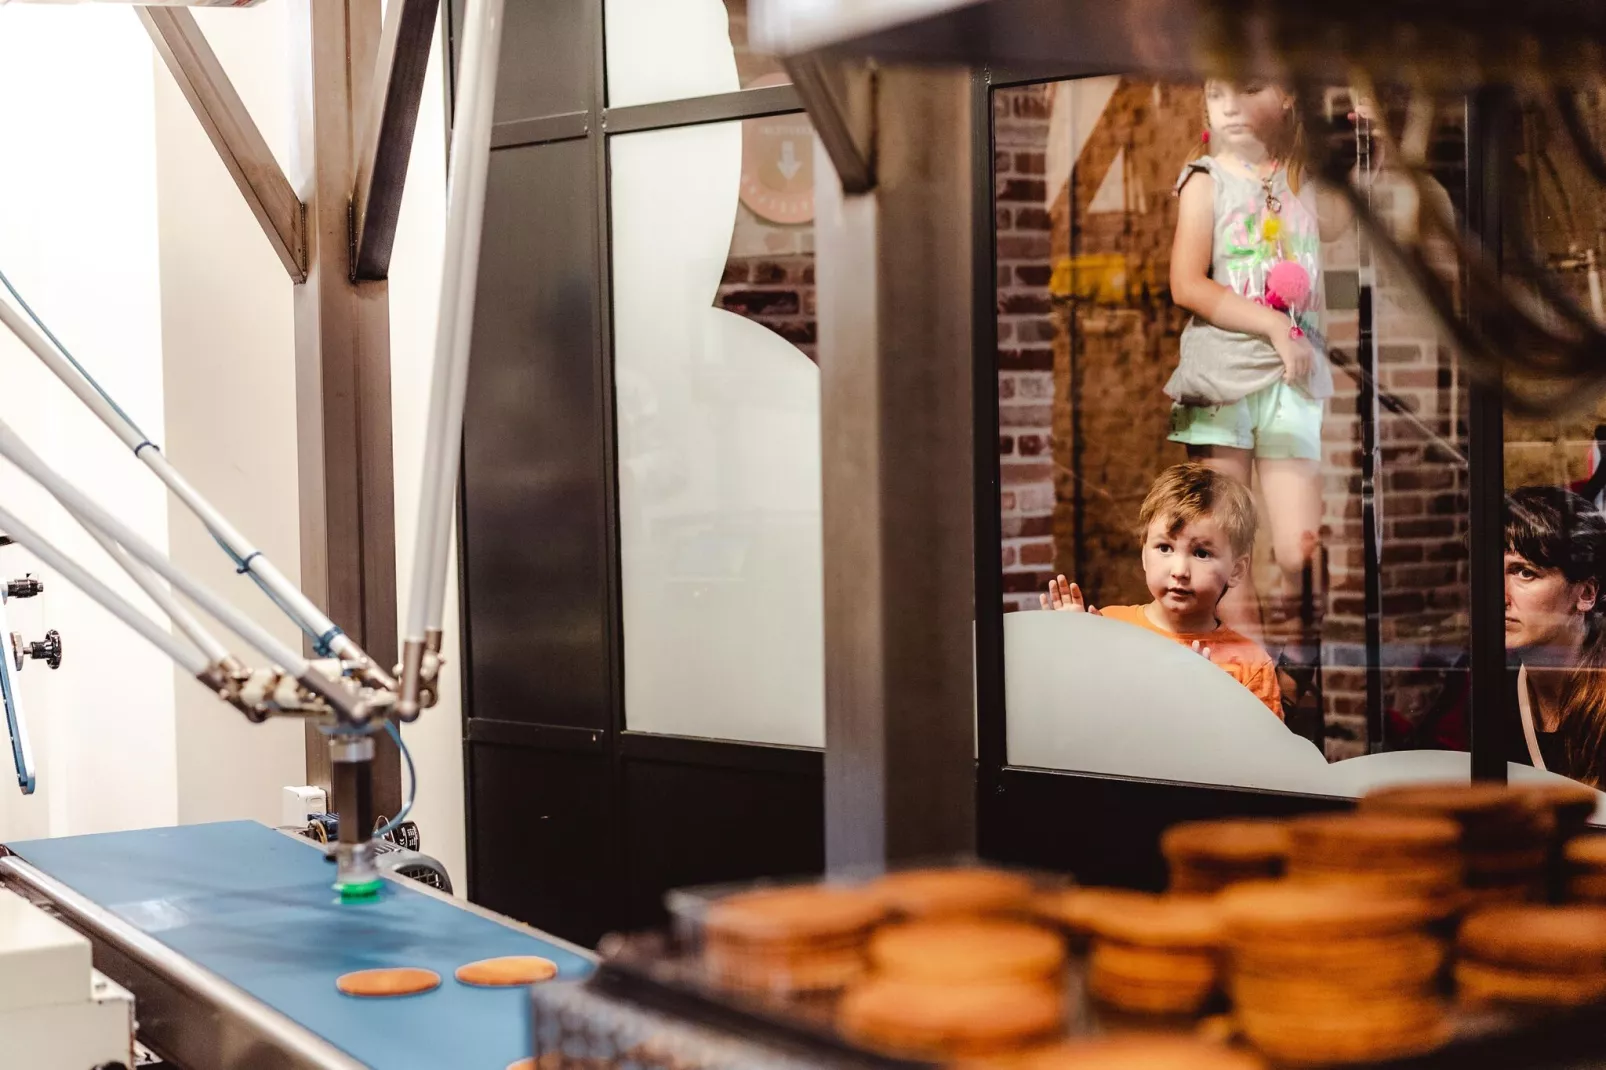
[{"x": 1287, "y": 286}]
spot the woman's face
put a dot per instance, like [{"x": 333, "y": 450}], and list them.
[
  {"x": 1544, "y": 611},
  {"x": 1245, "y": 118}
]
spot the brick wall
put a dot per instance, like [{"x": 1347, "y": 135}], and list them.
[
  {"x": 1026, "y": 335},
  {"x": 769, "y": 277},
  {"x": 1094, "y": 368}
]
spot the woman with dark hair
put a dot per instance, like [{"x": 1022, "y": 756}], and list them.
[{"x": 1555, "y": 634}]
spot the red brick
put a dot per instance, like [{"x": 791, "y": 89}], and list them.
[
  {"x": 1008, "y": 557},
  {"x": 1031, "y": 163},
  {"x": 1037, "y": 553},
  {"x": 1031, "y": 445},
  {"x": 1034, "y": 247},
  {"x": 1033, "y": 274},
  {"x": 1025, "y": 473},
  {"x": 1022, "y": 190},
  {"x": 1026, "y": 359},
  {"x": 1032, "y": 219},
  {"x": 1006, "y": 388},
  {"x": 1019, "y": 304},
  {"x": 1006, "y": 445}
]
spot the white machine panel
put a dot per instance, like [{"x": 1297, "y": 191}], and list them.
[{"x": 42, "y": 962}]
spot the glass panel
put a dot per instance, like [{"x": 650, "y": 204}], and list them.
[
  {"x": 719, "y": 430},
  {"x": 1097, "y": 404},
  {"x": 1556, "y": 485},
  {"x": 674, "y": 49}
]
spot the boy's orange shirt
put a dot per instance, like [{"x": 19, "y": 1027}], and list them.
[{"x": 1238, "y": 655}]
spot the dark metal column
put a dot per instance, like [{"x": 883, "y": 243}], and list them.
[
  {"x": 1489, "y": 125},
  {"x": 897, "y": 381}
]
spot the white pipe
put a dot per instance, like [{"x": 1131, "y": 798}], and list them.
[
  {"x": 186, "y": 657},
  {"x": 465, "y": 213},
  {"x": 300, "y": 607},
  {"x": 182, "y": 618},
  {"x": 89, "y": 512}
]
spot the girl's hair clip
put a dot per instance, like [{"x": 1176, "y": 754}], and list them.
[{"x": 1204, "y": 138}]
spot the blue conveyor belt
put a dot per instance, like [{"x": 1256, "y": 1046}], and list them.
[{"x": 256, "y": 908}]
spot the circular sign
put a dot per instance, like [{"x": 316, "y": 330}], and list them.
[{"x": 778, "y": 166}]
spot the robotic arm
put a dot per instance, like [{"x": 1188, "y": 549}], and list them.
[{"x": 345, "y": 691}]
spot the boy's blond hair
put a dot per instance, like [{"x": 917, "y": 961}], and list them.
[{"x": 1192, "y": 491}]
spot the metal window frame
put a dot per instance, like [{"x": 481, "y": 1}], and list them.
[{"x": 1486, "y": 475}]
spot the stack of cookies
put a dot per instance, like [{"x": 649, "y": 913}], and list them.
[
  {"x": 786, "y": 941},
  {"x": 1383, "y": 853},
  {"x": 1532, "y": 955},
  {"x": 1207, "y": 856},
  {"x": 1160, "y": 955},
  {"x": 958, "y": 987},
  {"x": 1584, "y": 863},
  {"x": 1324, "y": 973},
  {"x": 1571, "y": 805},
  {"x": 1506, "y": 834}
]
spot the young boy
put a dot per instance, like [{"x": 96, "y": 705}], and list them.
[{"x": 1198, "y": 529}]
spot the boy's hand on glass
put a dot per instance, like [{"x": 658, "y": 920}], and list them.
[
  {"x": 1202, "y": 651},
  {"x": 1066, "y": 596},
  {"x": 1297, "y": 356}
]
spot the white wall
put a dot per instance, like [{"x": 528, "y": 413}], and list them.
[
  {"x": 126, "y": 231},
  {"x": 229, "y": 374},
  {"x": 78, "y": 235}
]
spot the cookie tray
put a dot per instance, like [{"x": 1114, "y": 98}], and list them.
[{"x": 644, "y": 971}]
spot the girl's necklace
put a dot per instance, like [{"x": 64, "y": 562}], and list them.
[{"x": 1274, "y": 204}]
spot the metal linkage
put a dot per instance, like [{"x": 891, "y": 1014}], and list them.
[{"x": 465, "y": 210}]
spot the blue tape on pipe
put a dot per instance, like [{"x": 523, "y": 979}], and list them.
[{"x": 256, "y": 908}]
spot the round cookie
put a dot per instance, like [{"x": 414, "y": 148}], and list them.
[
  {"x": 1546, "y": 939},
  {"x": 946, "y": 1020},
  {"x": 935, "y": 893},
  {"x": 1363, "y": 965},
  {"x": 1320, "y": 912},
  {"x": 1150, "y": 981},
  {"x": 1174, "y": 922},
  {"x": 964, "y": 950},
  {"x": 1572, "y": 804},
  {"x": 507, "y": 972},
  {"x": 1367, "y": 837},
  {"x": 1388, "y": 1029},
  {"x": 1234, "y": 843},
  {"x": 780, "y": 915},
  {"x": 1130, "y": 1053},
  {"x": 1479, "y": 983},
  {"x": 1458, "y": 798},
  {"x": 1587, "y": 852},
  {"x": 388, "y": 982},
  {"x": 1075, "y": 908}
]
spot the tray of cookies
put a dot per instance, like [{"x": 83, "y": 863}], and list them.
[{"x": 1434, "y": 926}]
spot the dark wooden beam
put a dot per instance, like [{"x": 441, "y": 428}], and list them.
[
  {"x": 386, "y": 137},
  {"x": 348, "y": 528},
  {"x": 239, "y": 143}
]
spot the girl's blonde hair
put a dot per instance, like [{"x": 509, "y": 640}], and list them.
[{"x": 1291, "y": 147}]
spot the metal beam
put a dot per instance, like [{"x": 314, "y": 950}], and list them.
[
  {"x": 348, "y": 523},
  {"x": 239, "y": 143},
  {"x": 840, "y": 98},
  {"x": 386, "y": 136},
  {"x": 897, "y": 425}
]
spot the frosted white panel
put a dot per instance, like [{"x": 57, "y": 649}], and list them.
[
  {"x": 668, "y": 50},
  {"x": 718, "y": 459},
  {"x": 677, "y": 49},
  {"x": 1091, "y": 695}
]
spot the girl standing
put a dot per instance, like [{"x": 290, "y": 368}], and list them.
[{"x": 1249, "y": 392}]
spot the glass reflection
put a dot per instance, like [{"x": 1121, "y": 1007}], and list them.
[{"x": 1173, "y": 287}]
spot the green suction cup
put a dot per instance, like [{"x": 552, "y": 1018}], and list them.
[{"x": 361, "y": 891}]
